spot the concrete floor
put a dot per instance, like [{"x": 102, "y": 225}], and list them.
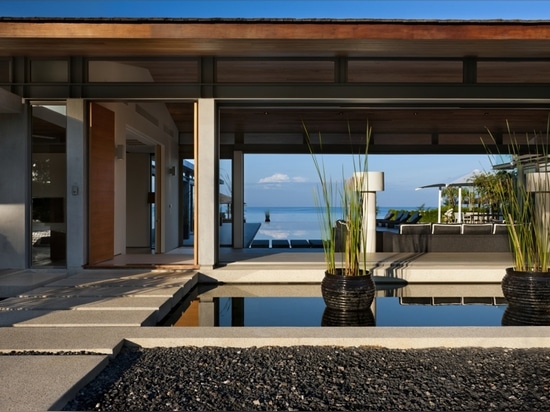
[{"x": 100, "y": 310}]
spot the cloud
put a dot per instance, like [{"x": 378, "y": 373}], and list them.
[
  {"x": 282, "y": 178},
  {"x": 275, "y": 178}
]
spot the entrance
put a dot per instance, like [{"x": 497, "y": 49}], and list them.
[{"x": 48, "y": 186}]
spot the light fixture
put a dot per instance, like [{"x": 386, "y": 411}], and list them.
[{"x": 119, "y": 151}]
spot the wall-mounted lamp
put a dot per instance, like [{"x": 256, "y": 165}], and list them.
[
  {"x": 172, "y": 170},
  {"x": 119, "y": 151}
]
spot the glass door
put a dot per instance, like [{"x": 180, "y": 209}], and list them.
[{"x": 48, "y": 186}]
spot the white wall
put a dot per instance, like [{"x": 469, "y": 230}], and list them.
[{"x": 129, "y": 122}]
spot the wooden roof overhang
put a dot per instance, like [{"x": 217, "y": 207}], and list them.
[{"x": 424, "y": 86}]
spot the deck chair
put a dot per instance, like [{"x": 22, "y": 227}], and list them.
[
  {"x": 388, "y": 216},
  {"x": 413, "y": 219},
  {"x": 385, "y": 222},
  {"x": 397, "y": 222}
]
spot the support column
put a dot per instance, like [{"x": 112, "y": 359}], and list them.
[
  {"x": 368, "y": 183},
  {"x": 77, "y": 210},
  {"x": 238, "y": 199},
  {"x": 207, "y": 183}
]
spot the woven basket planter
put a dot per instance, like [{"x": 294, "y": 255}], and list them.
[{"x": 348, "y": 293}]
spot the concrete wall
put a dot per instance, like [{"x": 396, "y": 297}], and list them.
[{"x": 14, "y": 193}]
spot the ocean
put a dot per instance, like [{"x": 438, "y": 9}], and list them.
[{"x": 294, "y": 222}]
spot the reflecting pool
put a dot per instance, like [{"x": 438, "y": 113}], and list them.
[{"x": 301, "y": 305}]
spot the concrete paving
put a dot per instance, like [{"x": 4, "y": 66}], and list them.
[{"x": 90, "y": 314}]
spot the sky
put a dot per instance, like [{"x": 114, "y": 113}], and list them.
[{"x": 272, "y": 181}]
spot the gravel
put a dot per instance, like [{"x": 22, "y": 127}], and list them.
[{"x": 320, "y": 378}]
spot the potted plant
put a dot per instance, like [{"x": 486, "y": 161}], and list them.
[
  {"x": 524, "y": 197},
  {"x": 347, "y": 284}
]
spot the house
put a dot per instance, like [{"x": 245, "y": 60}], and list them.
[{"x": 98, "y": 117}]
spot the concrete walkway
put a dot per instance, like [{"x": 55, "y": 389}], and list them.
[{"x": 93, "y": 313}]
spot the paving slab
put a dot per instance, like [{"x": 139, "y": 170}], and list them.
[
  {"x": 156, "y": 281},
  {"x": 84, "y": 318},
  {"x": 104, "y": 340},
  {"x": 11, "y": 318},
  {"x": 42, "y": 383},
  {"x": 85, "y": 303},
  {"x": 65, "y": 292},
  {"x": 15, "y": 282}
]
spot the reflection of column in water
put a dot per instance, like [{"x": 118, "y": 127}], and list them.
[
  {"x": 237, "y": 311},
  {"x": 207, "y": 311}
]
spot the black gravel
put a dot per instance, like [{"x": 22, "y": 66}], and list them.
[{"x": 316, "y": 378}]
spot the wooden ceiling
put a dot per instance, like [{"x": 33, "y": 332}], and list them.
[{"x": 411, "y": 58}]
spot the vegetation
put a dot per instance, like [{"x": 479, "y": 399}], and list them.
[
  {"x": 331, "y": 193},
  {"x": 523, "y": 196}
]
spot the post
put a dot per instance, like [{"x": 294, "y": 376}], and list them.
[{"x": 370, "y": 183}]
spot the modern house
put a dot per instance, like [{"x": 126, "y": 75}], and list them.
[{"x": 111, "y": 130}]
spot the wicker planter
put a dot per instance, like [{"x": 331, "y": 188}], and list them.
[
  {"x": 527, "y": 290},
  {"x": 348, "y": 293}
]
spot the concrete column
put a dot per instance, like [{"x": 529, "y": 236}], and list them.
[
  {"x": 207, "y": 183},
  {"x": 77, "y": 210},
  {"x": 368, "y": 183},
  {"x": 15, "y": 190},
  {"x": 539, "y": 184},
  {"x": 238, "y": 199}
]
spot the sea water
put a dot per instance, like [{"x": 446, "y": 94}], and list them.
[{"x": 296, "y": 222}]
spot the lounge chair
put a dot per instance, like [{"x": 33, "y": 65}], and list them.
[
  {"x": 415, "y": 218},
  {"x": 397, "y": 222},
  {"x": 384, "y": 222},
  {"x": 388, "y": 216}
]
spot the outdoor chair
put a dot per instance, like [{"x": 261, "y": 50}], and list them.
[
  {"x": 415, "y": 229},
  {"x": 446, "y": 229},
  {"x": 384, "y": 222},
  {"x": 388, "y": 216},
  {"x": 402, "y": 219},
  {"x": 477, "y": 228}
]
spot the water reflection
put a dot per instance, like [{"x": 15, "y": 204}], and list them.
[
  {"x": 332, "y": 317},
  {"x": 518, "y": 316},
  {"x": 300, "y": 305}
]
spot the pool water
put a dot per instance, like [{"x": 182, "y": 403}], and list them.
[{"x": 302, "y": 306}]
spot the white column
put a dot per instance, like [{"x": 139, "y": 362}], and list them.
[
  {"x": 77, "y": 211},
  {"x": 207, "y": 183},
  {"x": 539, "y": 183},
  {"x": 371, "y": 182},
  {"x": 237, "y": 185}
]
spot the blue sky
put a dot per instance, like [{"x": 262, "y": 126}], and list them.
[
  {"x": 408, "y": 9},
  {"x": 286, "y": 181}
]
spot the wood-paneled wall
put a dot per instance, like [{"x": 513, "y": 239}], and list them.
[{"x": 102, "y": 184}]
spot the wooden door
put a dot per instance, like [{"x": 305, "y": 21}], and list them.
[{"x": 101, "y": 223}]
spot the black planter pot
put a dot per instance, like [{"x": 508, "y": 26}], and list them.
[
  {"x": 526, "y": 291},
  {"x": 348, "y": 293}
]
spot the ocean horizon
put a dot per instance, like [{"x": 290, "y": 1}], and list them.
[{"x": 296, "y": 222}]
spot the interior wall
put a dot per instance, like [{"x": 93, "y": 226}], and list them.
[
  {"x": 152, "y": 123},
  {"x": 138, "y": 221}
]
